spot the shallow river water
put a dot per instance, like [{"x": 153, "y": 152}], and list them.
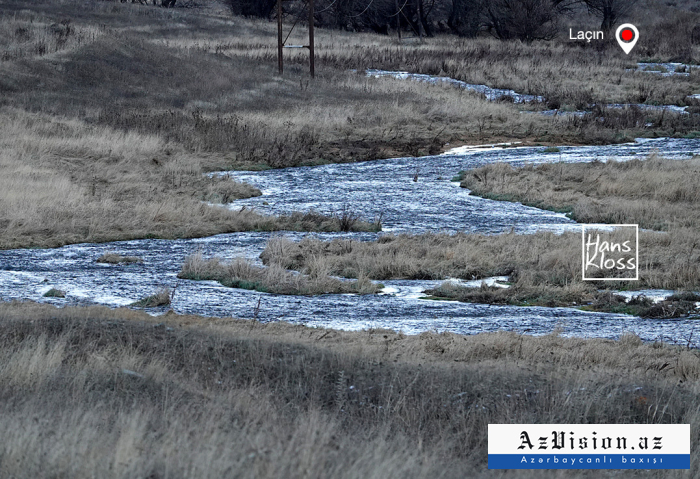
[
  {"x": 431, "y": 204},
  {"x": 494, "y": 94}
]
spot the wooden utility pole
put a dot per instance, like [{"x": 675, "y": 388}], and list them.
[
  {"x": 311, "y": 37},
  {"x": 281, "y": 43},
  {"x": 398, "y": 19},
  {"x": 280, "y": 46},
  {"x": 419, "y": 13}
]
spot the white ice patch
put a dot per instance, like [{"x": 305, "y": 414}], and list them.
[
  {"x": 470, "y": 149},
  {"x": 656, "y": 295},
  {"x": 495, "y": 281},
  {"x": 110, "y": 300},
  {"x": 665, "y": 68},
  {"x": 20, "y": 277}
]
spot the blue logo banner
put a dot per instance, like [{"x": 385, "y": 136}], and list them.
[{"x": 589, "y": 461}]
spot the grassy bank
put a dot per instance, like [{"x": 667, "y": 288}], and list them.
[
  {"x": 117, "y": 393},
  {"x": 656, "y": 193},
  {"x": 209, "y": 83},
  {"x": 240, "y": 273},
  {"x": 577, "y": 295},
  {"x": 66, "y": 181}
]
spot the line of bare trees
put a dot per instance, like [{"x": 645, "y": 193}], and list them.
[
  {"x": 526, "y": 20},
  {"x": 161, "y": 3}
]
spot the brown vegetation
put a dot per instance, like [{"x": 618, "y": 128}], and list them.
[
  {"x": 108, "y": 123},
  {"x": 66, "y": 181},
  {"x": 669, "y": 260},
  {"x": 241, "y": 273},
  {"x": 162, "y": 297},
  {"x": 543, "y": 268},
  {"x": 568, "y": 75},
  {"x": 117, "y": 393},
  {"x": 524, "y": 20},
  {"x": 656, "y": 193},
  {"x": 114, "y": 258}
]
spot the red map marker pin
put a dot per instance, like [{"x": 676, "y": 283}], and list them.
[{"x": 627, "y": 36}]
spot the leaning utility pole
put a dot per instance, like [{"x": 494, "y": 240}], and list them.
[
  {"x": 311, "y": 37},
  {"x": 280, "y": 43}
]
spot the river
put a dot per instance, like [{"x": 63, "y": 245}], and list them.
[{"x": 433, "y": 203}]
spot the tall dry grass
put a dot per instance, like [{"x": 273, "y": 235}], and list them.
[
  {"x": 208, "y": 83},
  {"x": 241, "y": 273},
  {"x": 66, "y": 181},
  {"x": 237, "y": 108},
  {"x": 568, "y": 73},
  {"x": 667, "y": 260},
  {"x": 656, "y": 193},
  {"x": 543, "y": 268},
  {"x": 116, "y": 393},
  {"x": 26, "y": 34}
]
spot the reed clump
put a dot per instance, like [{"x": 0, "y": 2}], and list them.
[
  {"x": 162, "y": 297},
  {"x": 241, "y": 273},
  {"x": 115, "y": 258}
]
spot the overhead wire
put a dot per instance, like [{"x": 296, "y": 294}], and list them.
[
  {"x": 400, "y": 9},
  {"x": 295, "y": 22},
  {"x": 330, "y": 6},
  {"x": 363, "y": 11}
]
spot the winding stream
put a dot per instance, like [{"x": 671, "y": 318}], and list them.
[
  {"x": 494, "y": 94},
  {"x": 433, "y": 203}
]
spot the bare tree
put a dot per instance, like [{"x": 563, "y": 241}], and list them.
[
  {"x": 252, "y": 8},
  {"x": 610, "y": 11},
  {"x": 465, "y": 17},
  {"x": 162, "y": 3},
  {"x": 526, "y": 20},
  {"x": 375, "y": 15}
]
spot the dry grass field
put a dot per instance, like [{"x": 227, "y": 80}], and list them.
[
  {"x": 68, "y": 181},
  {"x": 95, "y": 392},
  {"x": 567, "y": 74},
  {"x": 541, "y": 267}
]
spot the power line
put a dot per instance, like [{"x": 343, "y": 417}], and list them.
[
  {"x": 330, "y": 6},
  {"x": 400, "y": 9},
  {"x": 295, "y": 22},
  {"x": 363, "y": 11}
]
